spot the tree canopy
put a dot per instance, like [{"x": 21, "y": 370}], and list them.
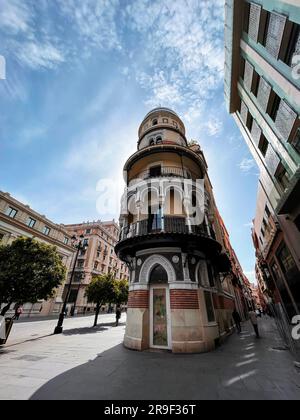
[
  {"x": 106, "y": 289},
  {"x": 29, "y": 271}
]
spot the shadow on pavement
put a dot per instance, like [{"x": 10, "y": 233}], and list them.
[
  {"x": 243, "y": 368},
  {"x": 91, "y": 330}
]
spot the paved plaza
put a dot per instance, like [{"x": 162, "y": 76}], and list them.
[{"x": 88, "y": 363}]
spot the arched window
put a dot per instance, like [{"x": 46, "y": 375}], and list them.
[
  {"x": 151, "y": 142},
  {"x": 158, "y": 275},
  {"x": 158, "y": 140},
  {"x": 154, "y": 122}
]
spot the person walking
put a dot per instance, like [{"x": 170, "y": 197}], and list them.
[
  {"x": 253, "y": 319},
  {"x": 237, "y": 319},
  {"x": 18, "y": 312},
  {"x": 118, "y": 315}
]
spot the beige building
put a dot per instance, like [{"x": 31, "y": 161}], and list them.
[
  {"x": 18, "y": 219},
  {"x": 181, "y": 295},
  {"x": 98, "y": 258}
]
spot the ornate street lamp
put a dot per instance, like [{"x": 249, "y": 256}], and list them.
[{"x": 80, "y": 244}]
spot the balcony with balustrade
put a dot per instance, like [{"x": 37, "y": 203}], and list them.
[{"x": 174, "y": 231}]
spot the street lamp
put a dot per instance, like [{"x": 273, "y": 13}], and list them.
[{"x": 80, "y": 245}]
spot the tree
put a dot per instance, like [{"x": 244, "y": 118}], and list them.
[
  {"x": 29, "y": 271},
  {"x": 101, "y": 290},
  {"x": 121, "y": 291}
]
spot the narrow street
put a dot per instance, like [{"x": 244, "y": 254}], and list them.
[{"x": 87, "y": 363}]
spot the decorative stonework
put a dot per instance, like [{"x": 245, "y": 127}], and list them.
[
  {"x": 175, "y": 259},
  {"x": 149, "y": 265}
]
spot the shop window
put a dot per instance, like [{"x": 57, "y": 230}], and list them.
[{"x": 287, "y": 263}]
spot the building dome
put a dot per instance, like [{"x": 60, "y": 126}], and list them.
[{"x": 163, "y": 122}]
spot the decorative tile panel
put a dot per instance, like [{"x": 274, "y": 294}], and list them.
[
  {"x": 263, "y": 93},
  {"x": 275, "y": 33},
  {"x": 285, "y": 120},
  {"x": 254, "y": 18}
]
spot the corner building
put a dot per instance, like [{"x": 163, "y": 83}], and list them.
[{"x": 181, "y": 297}]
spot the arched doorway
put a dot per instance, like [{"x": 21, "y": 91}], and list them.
[{"x": 160, "y": 321}]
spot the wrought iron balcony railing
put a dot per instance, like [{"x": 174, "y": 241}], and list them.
[
  {"x": 165, "y": 224},
  {"x": 165, "y": 171}
]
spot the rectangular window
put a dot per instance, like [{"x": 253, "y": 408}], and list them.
[
  {"x": 66, "y": 240},
  {"x": 11, "y": 212},
  {"x": 249, "y": 121},
  {"x": 165, "y": 120},
  {"x": 262, "y": 232},
  {"x": 265, "y": 224},
  {"x": 46, "y": 230},
  {"x": 274, "y": 106},
  {"x": 281, "y": 176},
  {"x": 95, "y": 265},
  {"x": 267, "y": 211},
  {"x": 98, "y": 254},
  {"x": 80, "y": 264},
  {"x": 209, "y": 307},
  {"x": 291, "y": 43},
  {"x": 255, "y": 83},
  {"x": 88, "y": 231},
  {"x": 31, "y": 222},
  {"x": 296, "y": 141},
  {"x": 263, "y": 145},
  {"x": 155, "y": 171},
  {"x": 210, "y": 273}
]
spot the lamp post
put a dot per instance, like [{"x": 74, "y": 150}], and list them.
[{"x": 80, "y": 245}]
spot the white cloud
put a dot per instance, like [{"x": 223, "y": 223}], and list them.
[
  {"x": 39, "y": 55},
  {"x": 94, "y": 21},
  {"x": 251, "y": 276},
  {"x": 214, "y": 126},
  {"x": 15, "y": 16},
  {"x": 246, "y": 165}
]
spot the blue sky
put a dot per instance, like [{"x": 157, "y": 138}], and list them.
[{"x": 81, "y": 75}]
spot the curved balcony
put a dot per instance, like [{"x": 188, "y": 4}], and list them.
[
  {"x": 166, "y": 231},
  {"x": 164, "y": 171}
]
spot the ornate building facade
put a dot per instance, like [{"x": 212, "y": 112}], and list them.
[{"x": 181, "y": 296}]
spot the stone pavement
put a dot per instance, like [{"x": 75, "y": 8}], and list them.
[{"x": 92, "y": 364}]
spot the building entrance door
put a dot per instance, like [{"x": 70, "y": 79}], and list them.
[{"x": 160, "y": 325}]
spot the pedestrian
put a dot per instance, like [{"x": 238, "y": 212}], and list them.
[
  {"x": 118, "y": 315},
  {"x": 237, "y": 319},
  {"x": 18, "y": 312},
  {"x": 253, "y": 319}
]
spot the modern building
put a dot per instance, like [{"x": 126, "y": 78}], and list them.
[
  {"x": 262, "y": 82},
  {"x": 98, "y": 258},
  {"x": 18, "y": 219},
  {"x": 180, "y": 296}
]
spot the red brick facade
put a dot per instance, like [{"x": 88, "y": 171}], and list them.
[
  {"x": 184, "y": 299},
  {"x": 138, "y": 299}
]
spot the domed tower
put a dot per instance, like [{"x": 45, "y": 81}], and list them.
[{"x": 168, "y": 240}]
